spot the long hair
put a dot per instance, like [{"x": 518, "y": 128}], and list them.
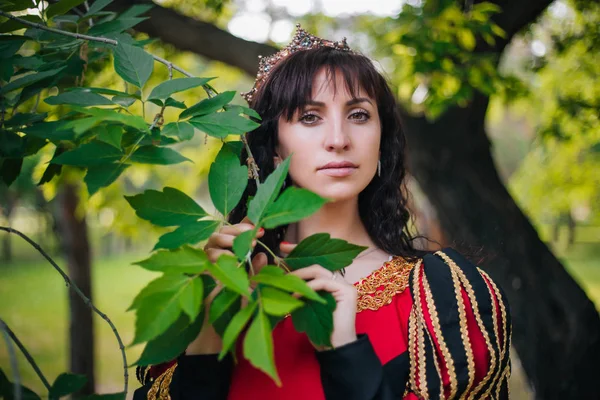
[{"x": 383, "y": 203}]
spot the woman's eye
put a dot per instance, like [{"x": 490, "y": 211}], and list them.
[
  {"x": 309, "y": 118},
  {"x": 360, "y": 116}
]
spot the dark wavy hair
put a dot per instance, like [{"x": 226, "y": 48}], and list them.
[{"x": 383, "y": 203}]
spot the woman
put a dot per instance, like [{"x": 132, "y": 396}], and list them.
[{"x": 408, "y": 324}]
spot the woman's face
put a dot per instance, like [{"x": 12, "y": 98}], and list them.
[{"x": 334, "y": 140}]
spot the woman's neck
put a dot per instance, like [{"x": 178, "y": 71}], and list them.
[{"x": 340, "y": 219}]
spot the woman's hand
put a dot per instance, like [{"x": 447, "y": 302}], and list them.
[
  {"x": 345, "y": 295},
  {"x": 219, "y": 243}
]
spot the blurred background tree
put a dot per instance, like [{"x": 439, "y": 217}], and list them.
[{"x": 500, "y": 101}]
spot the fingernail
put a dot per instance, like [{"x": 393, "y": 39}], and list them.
[
  {"x": 284, "y": 242},
  {"x": 261, "y": 230}
]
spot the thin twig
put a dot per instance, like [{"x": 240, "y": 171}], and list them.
[
  {"x": 74, "y": 287},
  {"x": 171, "y": 65},
  {"x": 17, "y": 392},
  {"x": 252, "y": 163},
  {"x": 28, "y": 356},
  {"x": 58, "y": 31}
]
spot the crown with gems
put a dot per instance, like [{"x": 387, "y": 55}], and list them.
[{"x": 302, "y": 41}]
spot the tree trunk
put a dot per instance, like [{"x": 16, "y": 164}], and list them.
[
  {"x": 556, "y": 326},
  {"x": 76, "y": 248}
]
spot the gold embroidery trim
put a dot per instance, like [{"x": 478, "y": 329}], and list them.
[
  {"x": 505, "y": 349},
  {"x": 448, "y": 360},
  {"x": 160, "y": 387},
  {"x": 379, "y": 288},
  {"x": 463, "y": 325},
  {"x": 475, "y": 308}
]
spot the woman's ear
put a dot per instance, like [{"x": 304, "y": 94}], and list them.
[{"x": 276, "y": 160}]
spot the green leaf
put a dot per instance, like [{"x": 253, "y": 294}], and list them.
[
  {"x": 274, "y": 276},
  {"x": 258, "y": 346},
  {"x": 99, "y": 176},
  {"x": 7, "y": 389},
  {"x": 52, "y": 170},
  {"x": 167, "y": 283},
  {"x": 316, "y": 320},
  {"x": 191, "y": 298},
  {"x": 20, "y": 119},
  {"x": 235, "y": 327},
  {"x": 102, "y": 91},
  {"x": 13, "y": 25},
  {"x": 185, "y": 260},
  {"x": 223, "y": 302},
  {"x": 277, "y": 302},
  {"x": 105, "y": 115},
  {"x": 28, "y": 80},
  {"x": 190, "y": 233},
  {"x": 66, "y": 384},
  {"x": 230, "y": 274},
  {"x": 97, "y": 6},
  {"x": 89, "y": 154},
  {"x": 156, "y": 313},
  {"x": 227, "y": 180},
  {"x": 83, "y": 99},
  {"x": 167, "y": 88},
  {"x": 10, "y": 170},
  {"x": 157, "y": 155},
  {"x": 124, "y": 101},
  {"x": 222, "y": 124},
  {"x": 111, "y": 134},
  {"x": 133, "y": 64},
  {"x": 136, "y": 10},
  {"x": 242, "y": 244},
  {"x": 117, "y": 25},
  {"x": 53, "y": 131},
  {"x": 62, "y": 7},
  {"x": 171, "y": 102},
  {"x": 320, "y": 249},
  {"x": 267, "y": 192},
  {"x": 208, "y": 105},
  {"x": 181, "y": 130},
  {"x": 167, "y": 208},
  {"x": 9, "y": 45},
  {"x": 242, "y": 110},
  {"x": 172, "y": 342},
  {"x": 293, "y": 205}
]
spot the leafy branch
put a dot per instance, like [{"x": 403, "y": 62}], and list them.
[
  {"x": 85, "y": 299},
  {"x": 27, "y": 355}
]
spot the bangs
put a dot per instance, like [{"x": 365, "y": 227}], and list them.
[{"x": 290, "y": 85}]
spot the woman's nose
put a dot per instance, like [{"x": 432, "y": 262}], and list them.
[{"x": 337, "y": 137}]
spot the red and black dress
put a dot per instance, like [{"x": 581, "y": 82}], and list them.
[{"x": 446, "y": 337}]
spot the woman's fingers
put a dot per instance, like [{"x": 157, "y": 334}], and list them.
[
  {"x": 313, "y": 272},
  {"x": 259, "y": 261},
  {"x": 214, "y": 253},
  {"x": 286, "y": 248}
]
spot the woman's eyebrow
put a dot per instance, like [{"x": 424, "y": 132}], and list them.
[
  {"x": 357, "y": 100},
  {"x": 350, "y": 102}
]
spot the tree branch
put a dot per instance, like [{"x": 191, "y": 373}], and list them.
[
  {"x": 28, "y": 356},
  {"x": 17, "y": 391},
  {"x": 58, "y": 31},
  {"x": 74, "y": 287},
  {"x": 199, "y": 37}
]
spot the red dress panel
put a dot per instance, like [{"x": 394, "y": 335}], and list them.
[{"x": 387, "y": 327}]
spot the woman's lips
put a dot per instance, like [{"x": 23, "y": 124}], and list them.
[{"x": 338, "y": 172}]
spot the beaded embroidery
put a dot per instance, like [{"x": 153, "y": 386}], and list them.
[{"x": 378, "y": 289}]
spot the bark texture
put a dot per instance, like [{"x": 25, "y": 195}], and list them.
[{"x": 76, "y": 249}]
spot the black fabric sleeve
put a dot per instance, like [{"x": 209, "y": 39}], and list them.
[
  {"x": 196, "y": 377},
  {"x": 354, "y": 372}
]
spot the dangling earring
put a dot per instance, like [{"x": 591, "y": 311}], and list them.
[{"x": 379, "y": 168}]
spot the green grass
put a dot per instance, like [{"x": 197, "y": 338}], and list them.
[{"x": 34, "y": 305}]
